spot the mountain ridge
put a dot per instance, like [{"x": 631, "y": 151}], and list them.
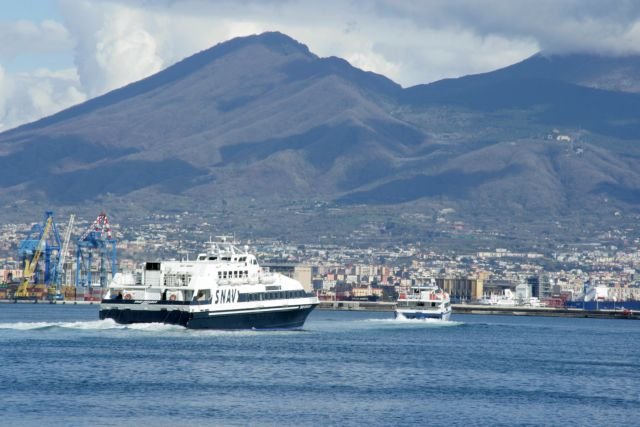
[{"x": 262, "y": 118}]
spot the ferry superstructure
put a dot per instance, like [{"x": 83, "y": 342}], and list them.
[
  {"x": 423, "y": 301},
  {"x": 224, "y": 288}
]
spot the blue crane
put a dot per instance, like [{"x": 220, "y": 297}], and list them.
[
  {"x": 96, "y": 242},
  {"x": 45, "y": 238}
]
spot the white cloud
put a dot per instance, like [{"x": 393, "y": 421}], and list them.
[
  {"x": 26, "y": 36},
  {"x": 25, "y": 97},
  {"x": 114, "y": 45},
  {"x": 124, "y": 41},
  {"x": 116, "y": 42},
  {"x": 557, "y": 26},
  {"x": 393, "y": 44}
]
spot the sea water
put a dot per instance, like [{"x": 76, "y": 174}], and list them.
[{"x": 61, "y": 366}]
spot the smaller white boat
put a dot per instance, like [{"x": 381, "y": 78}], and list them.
[
  {"x": 506, "y": 299},
  {"x": 423, "y": 301}
]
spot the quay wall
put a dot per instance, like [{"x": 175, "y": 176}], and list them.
[
  {"x": 37, "y": 301},
  {"x": 489, "y": 309}
]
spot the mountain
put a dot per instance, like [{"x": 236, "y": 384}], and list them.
[
  {"x": 259, "y": 124},
  {"x": 557, "y": 91}
]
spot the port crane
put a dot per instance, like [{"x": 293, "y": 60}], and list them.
[
  {"x": 30, "y": 265},
  {"x": 97, "y": 238},
  {"x": 63, "y": 254},
  {"x": 50, "y": 248}
]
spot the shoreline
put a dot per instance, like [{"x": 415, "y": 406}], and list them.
[
  {"x": 489, "y": 309},
  {"x": 456, "y": 309},
  {"x": 37, "y": 301}
]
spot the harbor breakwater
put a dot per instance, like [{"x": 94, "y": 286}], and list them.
[{"x": 490, "y": 309}]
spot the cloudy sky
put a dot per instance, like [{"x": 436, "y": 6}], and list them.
[{"x": 57, "y": 53}]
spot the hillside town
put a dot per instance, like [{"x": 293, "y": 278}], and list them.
[{"x": 374, "y": 272}]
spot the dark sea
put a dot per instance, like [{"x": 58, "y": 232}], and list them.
[{"x": 60, "y": 366}]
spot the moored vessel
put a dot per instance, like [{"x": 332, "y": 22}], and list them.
[
  {"x": 223, "y": 288},
  {"x": 600, "y": 298},
  {"x": 423, "y": 301}
]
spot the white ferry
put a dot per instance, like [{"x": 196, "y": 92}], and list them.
[
  {"x": 423, "y": 301},
  {"x": 224, "y": 288}
]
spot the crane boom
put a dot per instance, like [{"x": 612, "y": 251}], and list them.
[
  {"x": 64, "y": 251},
  {"x": 30, "y": 266}
]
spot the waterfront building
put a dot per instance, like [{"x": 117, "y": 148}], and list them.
[{"x": 461, "y": 288}]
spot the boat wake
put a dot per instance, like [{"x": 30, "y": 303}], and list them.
[
  {"x": 107, "y": 324},
  {"x": 111, "y": 325}
]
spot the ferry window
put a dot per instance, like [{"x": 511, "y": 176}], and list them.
[
  {"x": 246, "y": 273},
  {"x": 235, "y": 274},
  {"x": 219, "y": 274},
  {"x": 152, "y": 266},
  {"x": 224, "y": 275}
]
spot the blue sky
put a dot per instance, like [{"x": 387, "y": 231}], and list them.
[
  {"x": 57, "y": 53},
  {"x": 34, "y": 11},
  {"x": 29, "y": 9}
]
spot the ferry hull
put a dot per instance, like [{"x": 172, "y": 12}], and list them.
[
  {"x": 282, "y": 318},
  {"x": 418, "y": 314}
]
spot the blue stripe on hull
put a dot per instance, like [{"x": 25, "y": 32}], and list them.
[{"x": 286, "y": 319}]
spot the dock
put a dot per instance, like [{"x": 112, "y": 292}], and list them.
[
  {"x": 490, "y": 309},
  {"x": 40, "y": 301}
]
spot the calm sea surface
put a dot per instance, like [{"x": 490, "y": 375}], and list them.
[{"x": 61, "y": 366}]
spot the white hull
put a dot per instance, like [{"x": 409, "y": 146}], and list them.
[{"x": 423, "y": 314}]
